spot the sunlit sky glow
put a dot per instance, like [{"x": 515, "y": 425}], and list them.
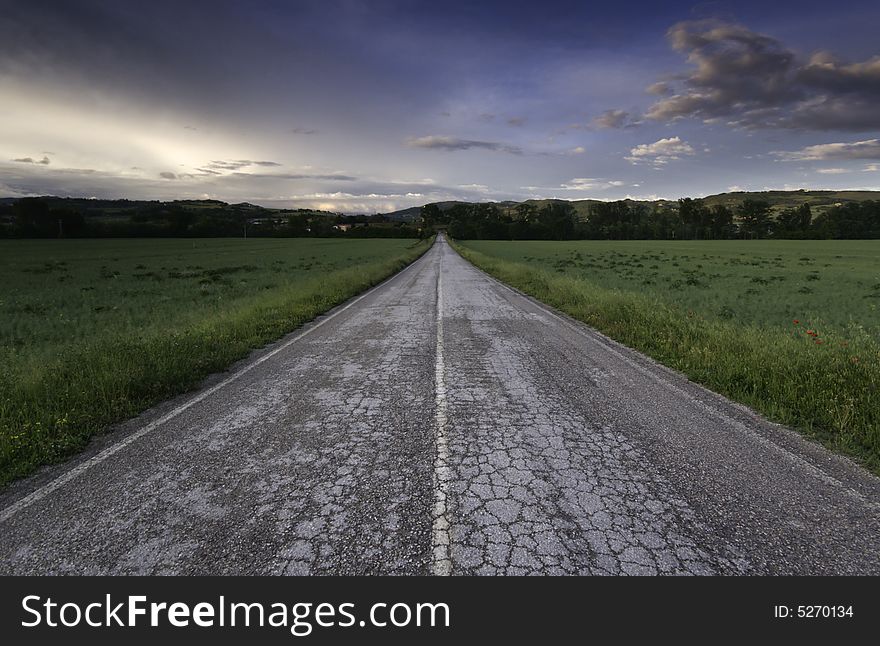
[{"x": 364, "y": 106}]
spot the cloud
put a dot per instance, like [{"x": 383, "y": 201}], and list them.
[
  {"x": 579, "y": 184},
  {"x": 167, "y": 175},
  {"x": 660, "y": 152},
  {"x": 486, "y": 117},
  {"x": 577, "y": 150},
  {"x": 30, "y": 160},
  {"x": 438, "y": 142},
  {"x": 590, "y": 183},
  {"x": 237, "y": 164},
  {"x": 479, "y": 188},
  {"x": 871, "y": 168},
  {"x": 660, "y": 88},
  {"x": 303, "y": 131},
  {"x": 868, "y": 149},
  {"x": 612, "y": 119},
  {"x": 831, "y": 171},
  {"x": 339, "y": 178},
  {"x": 751, "y": 80},
  {"x": 516, "y": 122}
]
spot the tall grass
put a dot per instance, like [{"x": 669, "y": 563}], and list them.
[
  {"x": 828, "y": 387},
  {"x": 52, "y": 403}
]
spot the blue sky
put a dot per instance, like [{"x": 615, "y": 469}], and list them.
[{"x": 370, "y": 106}]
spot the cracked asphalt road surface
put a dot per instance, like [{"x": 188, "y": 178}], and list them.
[{"x": 443, "y": 423}]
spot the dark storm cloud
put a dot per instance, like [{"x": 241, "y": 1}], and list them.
[
  {"x": 30, "y": 160},
  {"x": 167, "y": 175},
  {"x": 752, "y": 80},
  {"x": 23, "y": 180},
  {"x": 122, "y": 84},
  {"x": 438, "y": 142}
]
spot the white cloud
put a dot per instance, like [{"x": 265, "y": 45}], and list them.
[
  {"x": 590, "y": 183},
  {"x": 479, "y": 188},
  {"x": 579, "y": 184},
  {"x": 868, "y": 149},
  {"x": 831, "y": 171},
  {"x": 660, "y": 152}
]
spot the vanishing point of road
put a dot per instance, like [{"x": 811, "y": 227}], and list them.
[{"x": 443, "y": 423}]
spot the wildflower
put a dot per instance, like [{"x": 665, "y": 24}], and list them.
[
  {"x": 796, "y": 322},
  {"x": 819, "y": 341},
  {"x": 854, "y": 359}
]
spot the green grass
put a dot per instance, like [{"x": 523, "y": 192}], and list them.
[
  {"x": 724, "y": 313},
  {"x": 95, "y": 331}
]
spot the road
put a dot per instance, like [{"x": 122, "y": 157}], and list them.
[{"x": 442, "y": 423}]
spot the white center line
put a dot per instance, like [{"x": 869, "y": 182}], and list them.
[{"x": 441, "y": 563}]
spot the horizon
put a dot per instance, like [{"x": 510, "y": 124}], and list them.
[
  {"x": 418, "y": 206},
  {"x": 368, "y": 108}
]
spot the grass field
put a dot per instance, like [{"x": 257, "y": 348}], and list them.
[
  {"x": 790, "y": 328},
  {"x": 94, "y": 331}
]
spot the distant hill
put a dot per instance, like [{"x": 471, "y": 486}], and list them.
[
  {"x": 50, "y": 216},
  {"x": 412, "y": 213},
  {"x": 123, "y": 208},
  {"x": 819, "y": 201}
]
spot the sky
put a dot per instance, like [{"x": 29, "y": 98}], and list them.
[{"x": 371, "y": 106}]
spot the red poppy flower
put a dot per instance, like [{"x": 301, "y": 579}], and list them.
[{"x": 796, "y": 322}]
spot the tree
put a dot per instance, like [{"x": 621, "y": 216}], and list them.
[
  {"x": 558, "y": 219},
  {"x": 429, "y": 216},
  {"x": 32, "y": 218},
  {"x": 722, "y": 222},
  {"x": 794, "y": 222},
  {"x": 71, "y": 223},
  {"x": 755, "y": 217},
  {"x": 298, "y": 225}
]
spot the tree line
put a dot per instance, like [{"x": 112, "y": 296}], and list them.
[
  {"x": 627, "y": 220},
  {"x": 689, "y": 219},
  {"x": 61, "y": 218}
]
